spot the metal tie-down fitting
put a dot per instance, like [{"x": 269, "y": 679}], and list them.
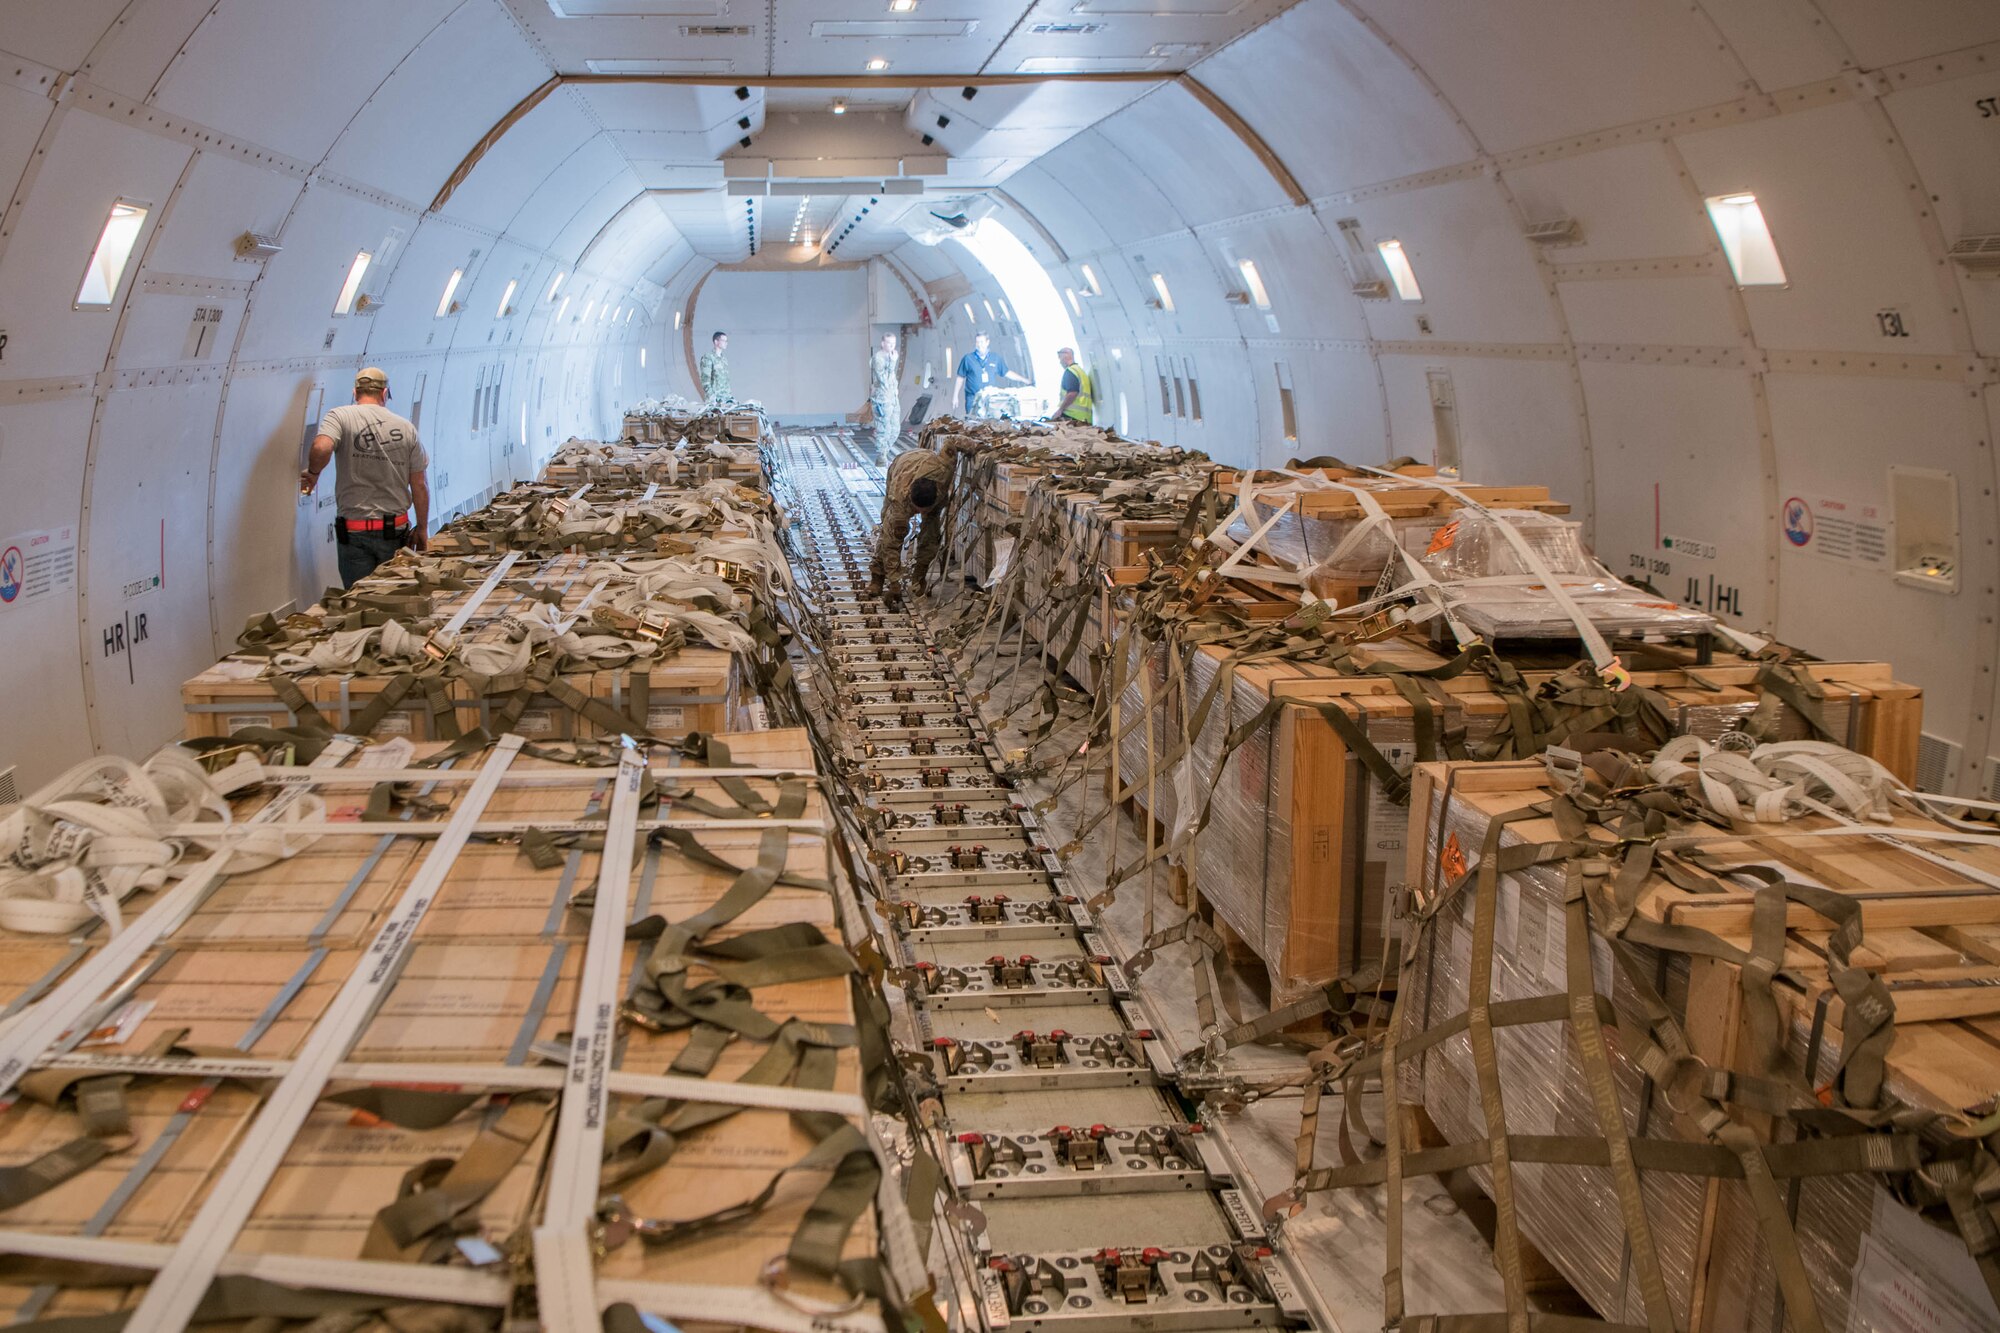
[
  {"x": 1080, "y": 1149},
  {"x": 1015, "y": 974}
]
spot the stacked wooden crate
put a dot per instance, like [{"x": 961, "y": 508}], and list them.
[
  {"x": 693, "y": 689},
  {"x": 1895, "y": 936},
  {"x": 1302, "y": 858},
  {"x": 392, "y": 998}
]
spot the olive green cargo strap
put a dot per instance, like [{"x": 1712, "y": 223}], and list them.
[
  {"x": 98, "y": 1102},
  {"x": 236, "y": 1298},
  {"x": 436, "y": 1194}
]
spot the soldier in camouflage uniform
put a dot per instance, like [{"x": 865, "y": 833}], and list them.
[{"x": 918, "y": 487}]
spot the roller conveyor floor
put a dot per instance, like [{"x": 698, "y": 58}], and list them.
[{"x": 1103, "y": 1200}]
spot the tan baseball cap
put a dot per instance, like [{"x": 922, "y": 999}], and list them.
[{"x": 372, "y": 380}]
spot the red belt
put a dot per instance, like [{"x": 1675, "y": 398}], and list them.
[{"x": 375, "y": 524}]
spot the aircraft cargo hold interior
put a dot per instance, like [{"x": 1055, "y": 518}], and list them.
[{"x": 888, "y": 666}]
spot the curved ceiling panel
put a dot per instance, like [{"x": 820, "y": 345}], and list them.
[
  {"x": 1055, "y": 204},
  {"x": 61, "y": 35},
  {"x": 1127, "y": 202},
  {"x": 553, "y": 205},
  {"x": 540, "y": 145},
  {"x": 1193, "y": 157},
  {"x": 1528, "y": 71},
  {"x": 406, "y": 139},
  {"x": 1337, "y": 110},
  {"x": 291, "y": 76}
]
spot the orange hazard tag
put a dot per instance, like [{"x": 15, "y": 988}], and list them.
[
  {"x": 1452, "y": 859},
  {"x": 364, "y": 1119},
  {"x": 1442, "y": 539}
]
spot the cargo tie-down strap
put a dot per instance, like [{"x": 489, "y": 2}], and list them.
[
  {"x": 78, "y": 846},
  {"x": 98, "y": 1101},
  {"x": 1613, "y": 831},
  {"x": 245, "y": 1302}
]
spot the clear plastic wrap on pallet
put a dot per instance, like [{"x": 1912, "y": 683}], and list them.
[
  {"x": 1304, "y": 542},
  {"x": 1496, "y": 592},
  {"x": 1472, "y": 545},
  {"x": 1248, "y": 826},
  {"x": 1145, "y": 677},
  {"x": 1874, "y": 1264},
  {"x": 1568, "y": 1213}
]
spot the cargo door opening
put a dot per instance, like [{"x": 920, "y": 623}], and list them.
[{"x": 1036, "y": 304}]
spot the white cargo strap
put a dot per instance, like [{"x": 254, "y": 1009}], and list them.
[{"x": 91, "y": 838}]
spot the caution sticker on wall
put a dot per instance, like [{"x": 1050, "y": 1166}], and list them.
[{"x": 36, "y": 564}]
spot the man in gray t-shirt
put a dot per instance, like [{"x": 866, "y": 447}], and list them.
[{"x": 382, "y": 475}]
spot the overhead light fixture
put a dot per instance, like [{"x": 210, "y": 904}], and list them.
[
  {"x": 1075, "y": 309},
  {"x": 556, "y": 286},
  {"x": 445, "y": 306},
  {"x": 839, "y": 106},
  {"x": 677, "y": 320},
  {"x": 901, "y": 6},
  {"x": 1090, "y": 280},
  {"x": 1166, "y": 297},
  {"x": 876, "y": 64},
  {"x": 507, "y": 299}
]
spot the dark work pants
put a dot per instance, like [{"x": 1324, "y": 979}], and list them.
[{"x": 361, "y": 552}]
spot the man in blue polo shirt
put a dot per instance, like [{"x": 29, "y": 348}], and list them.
[{"x": 979, "y": 369}]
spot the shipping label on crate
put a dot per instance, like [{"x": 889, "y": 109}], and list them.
[{"x": 665, "y": 717}]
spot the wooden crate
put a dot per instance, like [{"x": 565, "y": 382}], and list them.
[
  {"x": 493, "y": 967},
  {"x": 1930, "y": 924},
  {"x": 1302, "y": 858}
]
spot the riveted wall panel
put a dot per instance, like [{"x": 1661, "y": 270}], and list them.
[
  {"x": 1517, "y": 419},
  {"x": 1680, "y": 490},
  {"x": 292, "y": 312},
  {"x": 59, "y": 34},
  {"x": 1844, "y": 228},
  {"x": 1688, "y": 311},
  {"x": 1836, "y": 438},
  {"x": 1526, "y": 71},
  {"x": 1128, "y": 203},
  {"x": 41, "y": 452},
  {"x": 145, "y": 616},
  {"x": 1195, "y": 158},
  {"x": 1340, "y": 112},
  {"x": 1628, "y": 202},
  {"x": 138, "y": 47},
  {"x": 223, "y": 198},
  {"x": 1478, "y": 278},
  {"x": 269, "y": 548},
  {"x": 91, "y": 165},
  {"x": 507, "y": 177},
  {"x": 291, "y": 76},
  {"x": 1880, "y": 34},
  {"x": 1952, "y": 133},
  {"x": 405, "y": 139}
]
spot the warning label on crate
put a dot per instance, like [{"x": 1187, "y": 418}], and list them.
[
  {"x": 1911, "y": 1277},
  {"x": 35, "y": 564},
  {"x": 1834, "y": 529}
]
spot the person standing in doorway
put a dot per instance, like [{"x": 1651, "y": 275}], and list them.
[
  {"x": 383, "y": 474},
  {"x": 980, "y": 369},
  {"x": 714, "y": 367},
  {"x": 883, "y": 394},
  {"x": 1076, "y": 400}
]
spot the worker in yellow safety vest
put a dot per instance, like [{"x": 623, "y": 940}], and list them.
[{"x": 1076, "y": 401}]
